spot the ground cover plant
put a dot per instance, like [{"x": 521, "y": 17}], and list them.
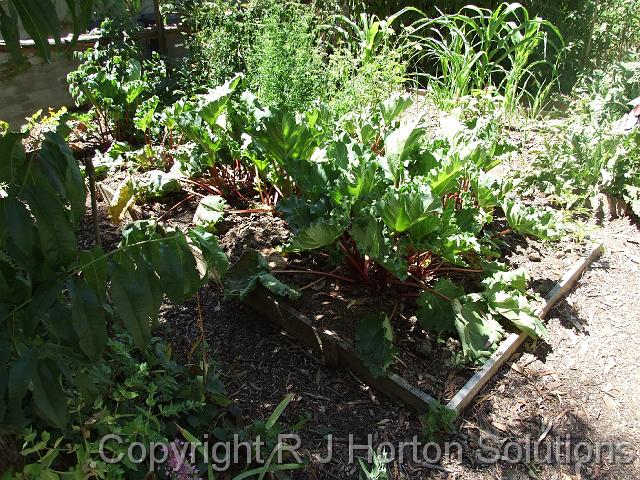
[{"x": 299, "y": 111}]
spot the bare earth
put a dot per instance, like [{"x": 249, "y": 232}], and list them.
[{"x": 585, "y": 382}]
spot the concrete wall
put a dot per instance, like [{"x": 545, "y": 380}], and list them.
[
  {"x": 44, "y": 85},
  {"x": 40, "y": 86}
]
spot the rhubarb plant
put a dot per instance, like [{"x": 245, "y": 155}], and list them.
[
  {"x": 202, "y": 121},
  {"x": 405, "y": 210}
]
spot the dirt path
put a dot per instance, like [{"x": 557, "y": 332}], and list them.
[{"x": 584, "y": 382}]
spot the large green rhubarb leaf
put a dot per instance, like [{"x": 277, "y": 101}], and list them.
[
  {"x": 317, "y": 235},
  {"x": 213, "y": 103},
  {"x": 404, "y": 207},
  {"x": 436, "y": 310},
  {"x": 479, "y": 332},
  {"x": 505, "y": 296},
  {"x": 540, "y": 223},
  {"x": 516, "y": 308},
  {"x": 400, "y": 145},
  {"x": 374, "y": 343},
  {"x": 250, "y": 271},
  {"x": 284, "y": 138},
  {"x": 395, "y": 106}
]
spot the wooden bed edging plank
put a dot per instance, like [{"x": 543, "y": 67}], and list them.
[
  {"x": 336, "y": 351},
  {"x": 509, "y": 346}
]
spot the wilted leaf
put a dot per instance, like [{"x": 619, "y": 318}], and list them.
[
  {"x": 478, "y": 331},
  {"x": 123, "y": 198},
  {"x": 250, "y": 271}
]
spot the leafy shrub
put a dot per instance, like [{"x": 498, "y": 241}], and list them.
[
  {"x": 216, "y": 40},
  {"x": 276, "y": 44},
  {"x": 58, "y": 302},
  {"x": 140, "y": 397},
  {"x": 587, "y": 152},
  {"x": 367, "y": 65}
]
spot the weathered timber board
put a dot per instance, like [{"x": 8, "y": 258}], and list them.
[{"x": 336, "y": 351}]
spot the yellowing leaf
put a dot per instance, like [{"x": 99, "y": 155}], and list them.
[{"x": 123, "y": 198}]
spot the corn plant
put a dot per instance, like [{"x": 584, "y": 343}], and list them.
[
  {"x": 368, "y": 33},
  {"x": 477, "y": 48}
]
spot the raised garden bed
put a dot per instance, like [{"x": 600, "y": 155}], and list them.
[
  {"x": 339, "y": 352},
  {"x": 325, "y": 316}
]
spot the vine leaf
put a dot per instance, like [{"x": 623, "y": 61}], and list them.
[
  {"x": 135, "y": 298},
  {"x": 49, "y": 398},
  {"x": 216, "y": 261}
]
